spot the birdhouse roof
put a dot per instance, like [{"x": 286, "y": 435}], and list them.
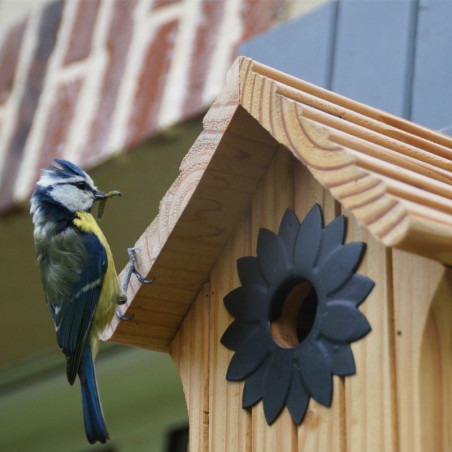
[{"x": 392, "y": 175}]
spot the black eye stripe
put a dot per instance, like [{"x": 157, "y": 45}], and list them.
[{"x": 79, "y": 184}]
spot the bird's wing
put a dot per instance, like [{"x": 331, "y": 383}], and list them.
[{"x": 73, "y": 316}]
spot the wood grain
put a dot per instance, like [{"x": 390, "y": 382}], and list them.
[
  {"x": 342, "y": 142},
  {"x": 229, "y": 428},
  {"x": 197, "y": 217},
  {"x": 274, "y": 195},
  {"x": 190, "y": 352},
  {"x": 435, "y": 371},
  {"x": 271, "y": 142},
  {"x": 323, "y": 428},
  {"x": 393, "y": 176},
  {"x": 400, "y": 397},
  {"x": 417, "y": 282},
  {"x": 371, "y": 403}
]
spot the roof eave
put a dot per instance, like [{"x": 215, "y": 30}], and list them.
[{"x": 392, "y": 175}]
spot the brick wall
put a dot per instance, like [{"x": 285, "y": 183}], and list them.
[{"x": 83, "y": 80}]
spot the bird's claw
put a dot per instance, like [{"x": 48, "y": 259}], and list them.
[
  {"x": 141, "y": 279},
  {"x": 131, "y": 269},
  {"x": 131, "y": 252},
  {"x": 121, "y": 316}
]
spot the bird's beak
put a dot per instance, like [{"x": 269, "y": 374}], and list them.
[{"x": 99, "y": 194}]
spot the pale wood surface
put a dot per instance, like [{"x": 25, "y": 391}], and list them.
[
  {"x": 229, "y": 427},
  {"x": 392, "y": 402},
  {"x": 197, "y": 216},
  {"x": 393, "y": 176},
  {"x": 371, "y": 403},
  {"x": 273, "y": 196},
  {"x": 323, "y": 428},
  {"x": 416, "y": 282},
  {"x": 190, "y": 352},
  {"x": 435, "y": 372},
  {"x": 272, "y": 142}
]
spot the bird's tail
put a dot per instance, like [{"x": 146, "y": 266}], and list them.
[{"x": 95, "y": 427}]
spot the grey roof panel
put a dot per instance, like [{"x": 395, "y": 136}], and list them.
[
  {"x": 301, "y": 47},
  {"x": 372, "y": 60},
  {"x": 432, "y": 87}
]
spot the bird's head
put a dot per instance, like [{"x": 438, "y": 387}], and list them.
[{"x": 68, "y": 187}]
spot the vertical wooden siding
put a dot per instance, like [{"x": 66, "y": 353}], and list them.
[
  {"x": 435, "y": 368},
  {"x": 373, "y": 410},
  {"x": 370, "y": 394},
  {"x": 190, "y": 352},
  {"x": 417, "y": 283}
]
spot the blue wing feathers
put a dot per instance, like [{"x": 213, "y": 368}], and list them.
[
  {"x": 74, "y": 268},
  {"x": 79, "y": 313},
  {"x": 95, "y": 426},
  {"x": 74, "y": 312}
]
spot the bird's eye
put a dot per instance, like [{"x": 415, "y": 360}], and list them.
[{"x": 82, "y": 185}]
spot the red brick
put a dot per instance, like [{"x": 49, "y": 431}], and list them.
[
  {"x": 118, "y": 42},
  {"x": 9, "y": 55},
  {"x": 143, "y": 120},
  {"x": 59, "y": 122},
  {"x": 46, "y": 38},
  {"x": 82, "y": 31},
  {"x": 161, "y": 3},
  {"x": 209, "y": 24},
  {"x": 258, "y": 16}
]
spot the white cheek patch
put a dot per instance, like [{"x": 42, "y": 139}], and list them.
[{"x": 72, "y": 198}]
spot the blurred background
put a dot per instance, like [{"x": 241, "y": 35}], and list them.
[{"x": 120, "y": 87}]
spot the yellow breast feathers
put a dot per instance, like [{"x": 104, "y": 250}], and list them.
[{"x": 111, "y": 290}]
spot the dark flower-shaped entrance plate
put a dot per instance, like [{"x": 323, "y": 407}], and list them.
[{"x": 296, "y": 314}]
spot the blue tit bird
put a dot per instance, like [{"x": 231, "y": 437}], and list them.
[{"x": 78, "y": 275}]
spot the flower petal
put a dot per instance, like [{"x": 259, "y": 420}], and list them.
[
  {"x": 341, "y": 358},
  {"x": 276, "y": 386},
  {"x": 298, "y": 398},
  {"x": 247, "y": 303},
  {"x": 249, "y": 272},
  {"x": 315, "y": 372},
  {"x": 307, "y": 243},
  {"x": 340, "y": 266},
  {"x": 332, "y": 237},
  {"x": 356, "y": 290},
  {"x": 248, "y": 357},
  {"x": 288, "y": 230},
  {"x": 236, "y": 333},
  {"x": 254, "y": 384},
  {"x": 342, "y": 322},
  {"x": 272, "y": 256}
]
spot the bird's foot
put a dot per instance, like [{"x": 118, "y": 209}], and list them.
[
  {"x": 132, "y": 270},
  {"x": 121, "y": 316}
]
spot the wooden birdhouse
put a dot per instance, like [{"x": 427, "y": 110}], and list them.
[{"x": 301, "y": 274}]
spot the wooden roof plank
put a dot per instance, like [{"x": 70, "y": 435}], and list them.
[
  {"x": 430, "y": 167},
  {"x": 362, "y": 158},
  {"x": 337, "y": 165},
  {"x": 386, "y": 121}
]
